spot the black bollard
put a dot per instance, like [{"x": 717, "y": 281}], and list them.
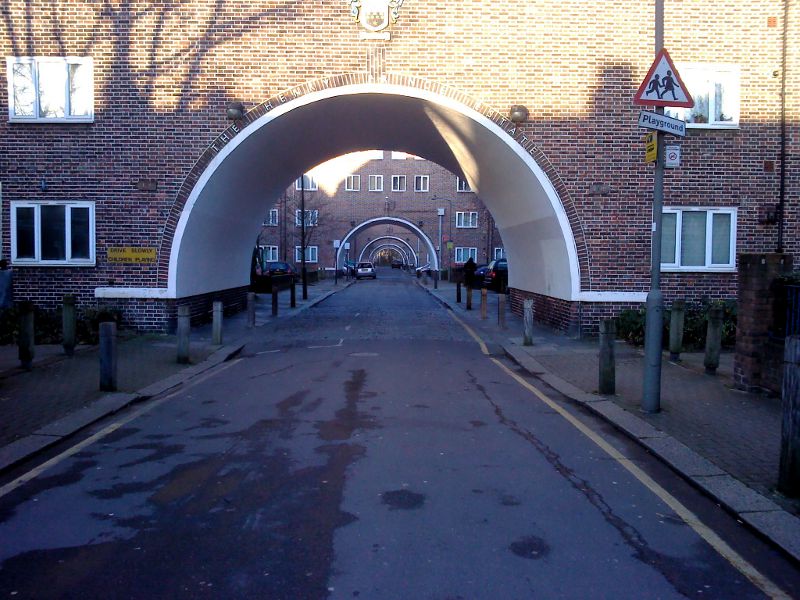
[
  {"x": 458, "y": 293},
  {"x": 713, "y": 339},
  {"x": 789, "y": 473},
  {"x": 108, "y": 356},
  {"x": 677, "y": 313},
  {"x": 607, "y": 371},
  {"x": 293, "y": 295},
  {"x": 184, "y": 327},
  {"x": 69, "y": 325},
  {"x": 274, "y": 301},
  {"x": 469, "y": 298},
  {"x": 26, "y": 341}
]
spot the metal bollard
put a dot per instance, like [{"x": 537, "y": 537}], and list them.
[
  {"x": 607, "y": 371},
  {"x": 274, "y": 301},
  {"x": 436, "y": 280},
  {"x": 677, "y": 314},
  {"x": 251, "y": 309},
  {"x": 484, "y": 302},
  {"x": 789, "y": 471},
  {"x": 182, "y": 334},
  {"x": 527, "y": 319},
  {"x": 501, "y": 311},
  {"x": 713, "y": 339},
  {"x": 69, "y": 324},
  {"x": 108, "y": 356},
  {"x": 216, "y": 323},
  {"x": 458, "y": 293},
  {"x": 469, "y": 298},
  {"x": 26, "y": 341},
  {"x": 293, "y": 295}
]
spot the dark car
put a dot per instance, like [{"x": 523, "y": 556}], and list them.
[
  {"x": 496, "y": 277},
  {"x": 480, "y": 273},
  {"x": 276, "y": 273},
  {"x": 397, "y": 264}
]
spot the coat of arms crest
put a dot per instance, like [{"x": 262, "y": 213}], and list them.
[{"x": 375, "y": 15}]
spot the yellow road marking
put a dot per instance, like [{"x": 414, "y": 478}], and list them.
[
  {"x": 34, "y": 473},
  {"x": 716, "y": 542}
]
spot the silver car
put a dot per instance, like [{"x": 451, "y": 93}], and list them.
[{"x": 365, "y": 269}]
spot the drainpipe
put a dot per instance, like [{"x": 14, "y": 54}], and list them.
[{"x": 782, "y": 196}]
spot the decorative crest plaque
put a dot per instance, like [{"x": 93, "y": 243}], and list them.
[{"x": 375, "y": 16}]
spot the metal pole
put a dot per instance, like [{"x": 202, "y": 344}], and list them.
[
  {"x": 69, "y": 324},
  {"x": 108, "y": 356},
  {"x": 251, "y": 309},
  {"x": 651, "y": 389},
  {"x": 438, "y": 251},
  {"x": 182, "y": 334},
  {"x": 216, "y": 323},
  {"x": 303, "y": 234},
  {"x": 527, "y": 315},
  {"x": 607, "y": 367}
]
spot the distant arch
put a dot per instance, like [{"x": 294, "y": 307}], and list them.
[
  {"x": 395, "y": 247},
  {"x": 394, "y": 238},
  {"x": 404, "y": 223}
]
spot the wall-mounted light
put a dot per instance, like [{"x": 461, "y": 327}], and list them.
[
  {"x": 235, "y": 111},
  {"x": 518, "y": 114}
]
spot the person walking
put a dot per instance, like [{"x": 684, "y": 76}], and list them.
[{"x": 469, "y": 272}]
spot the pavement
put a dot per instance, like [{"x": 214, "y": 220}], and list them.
[{"x": 723, "y": 441}]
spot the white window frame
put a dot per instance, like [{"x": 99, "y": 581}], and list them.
[
  {"x": 729, "y": 74},
  {"x": 311, "y": 183},
  {"x": 466, "y": 219},
  {"x": 463, "y": 254},
  {"x": 272, "y": 218},
  {"x": 499, "y": 253},
  {"x": 312, "y": 218},
  {"x": 352, "y": 183},
  {"x": 270, "y": 253},
  {"x": 35, "y": 61},
  {"x": 37, "y": 259},
  {"x": 422, "y": 183},
  {"x": 462, "y": 185},
  {"x": 708, "y": 266},
  {"x": 376, "y": 183},
  {"x": 398, "y": 183},
  {"x": 312, "y": 257}
]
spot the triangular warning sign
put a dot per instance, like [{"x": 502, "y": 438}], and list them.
[{"x": 663, "y": 86}]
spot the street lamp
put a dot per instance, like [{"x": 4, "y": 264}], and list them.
[
  {"x": 518, "y": 114},
  {"x": 440, "y": 212},
  {"x": 235, "y": 111}
]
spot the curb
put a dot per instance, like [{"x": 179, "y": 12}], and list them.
[{"x": 24, "y": 448}]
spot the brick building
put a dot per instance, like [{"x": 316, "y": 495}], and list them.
[
  {"x": 351, "y": 190},
  {"x": 145, "y": 142}
]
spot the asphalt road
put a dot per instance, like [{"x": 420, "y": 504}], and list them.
[{"x": 368, "y": 448}]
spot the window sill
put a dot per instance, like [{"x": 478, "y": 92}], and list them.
[
  {"x": 698, "y": 269},
  {"x": 32, "y": 263},
  {"x": 711, "y": 126},
  {"x": 64, "y": 121}
]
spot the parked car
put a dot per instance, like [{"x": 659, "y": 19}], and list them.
[
  {"x": 496, "y": 276},
  {"x": 349, "y": 268},
  {"x": 423, "y": 269},
  {"x": 480, "y": 273},
  {"x": 274, "y": 273},
  {"x": 397, "y": 264},
  {"x": 365, "y": 269}
]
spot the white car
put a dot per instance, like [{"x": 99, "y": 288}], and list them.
[{"x": 365, "y": 269}]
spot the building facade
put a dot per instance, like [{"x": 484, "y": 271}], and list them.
[{"x": 144, "y": 143}]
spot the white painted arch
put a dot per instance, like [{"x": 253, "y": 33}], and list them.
[
  {"x": 213, "y": 239},
  {"x": 404, "y": 223},
  {"x": 397, "y": 239}
]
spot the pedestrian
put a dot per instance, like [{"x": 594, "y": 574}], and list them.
[
  {"x": 469, "y": 272},
  {"x": 6, "y": 291}
]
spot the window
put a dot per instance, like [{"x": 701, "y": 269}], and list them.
[
  {"x": 421, "y": 183},
  {"x": 312, "y": 218},
  {"x": 50, "y": 89},
  {"x": 376, "y": 183},
  {"x": 272, "y": 218},
  {"x": 715, "y": 90},
  {"x": 352, "y": 183},
  {"x": 308, "y": 180},
  {"x": 311, "y": 254},
  {"x": 698, "y": 239},
  {"x": 499, "y": 253},
  {"x": 462, "y": 185},
  {"x": 398, "y": 183},
  {"x": 464, "y": 254},
  {"x": 52, "y": 233},
  {"x": 466, "y": 219},
  {"x": 269, "y": 253}
]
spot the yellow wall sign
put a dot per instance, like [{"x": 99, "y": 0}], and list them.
[
  {"x": 128, "y": 254},
  {"x": 650, "y": 147}
]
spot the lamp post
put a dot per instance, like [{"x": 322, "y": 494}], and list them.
[
  {"x": 303, "y": 235},
  {"x": 440, "y": 212}
]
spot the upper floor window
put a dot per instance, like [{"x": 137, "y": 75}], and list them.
[
  {"x": 462, "y": 185},
  {"x": 398, "y": 183},
  {"x": 466, "y": 219},
  {"x": 352, "y": 183},
  {"x": 312, "y": 218},
  {"x": 421, "y": 183},
  {"x": 272, "y": 218},
  {"x": 698, "y": 239},
  {"x": 50, "y": 89},
  {"x": 306, "y": 181},
  {"x": 376, "y": 183},
  {"x": 52, "y": 233},
  {"x": 715, "y": 91}
]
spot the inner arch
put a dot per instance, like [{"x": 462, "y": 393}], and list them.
[{"x": 404, "y": 223}]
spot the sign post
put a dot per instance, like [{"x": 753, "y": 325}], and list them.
[{"x": 661, "y": 87}]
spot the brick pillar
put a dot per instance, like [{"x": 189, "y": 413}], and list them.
[{"x": 755, "y": 308}]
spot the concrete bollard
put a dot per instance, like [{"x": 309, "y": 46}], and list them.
[
  {"x": 216, "y": 323},
  {"x": 607, "y": 372},
  {"x": 677, "y": 316},
  {"x": 458, "y": 293},
  {"x": 251, "y": 309},
  {"x": 293, "y": 295},
  {"x": 69, "y": 324},
  {"x": 26, "y": 342},
  {"x": 108, "y": 356},
  {"x": 789, "y": 473},
  {"x": 527, "y": 321},
  {"x": 469, "y": 298},
  {"x": 713, "y": 339},
  {"x": 184, "y": 327},
  {"x": 501, "y": 311},
  {"x": 484, "y": 302},
  {"x": 274, "y": 301}
]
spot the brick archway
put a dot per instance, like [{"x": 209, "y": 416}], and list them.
[{"x": 226, "y": 189}]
